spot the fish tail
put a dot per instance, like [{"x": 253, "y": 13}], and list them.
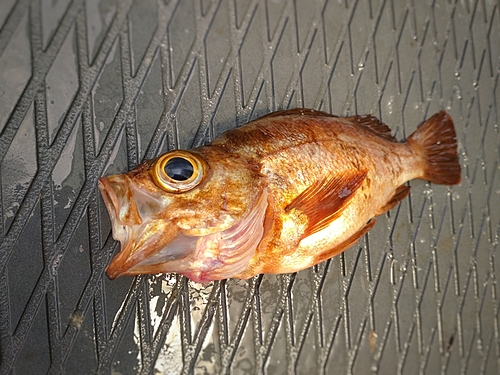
[{"x": 436, "y": 141}]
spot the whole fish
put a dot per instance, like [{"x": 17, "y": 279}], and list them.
[{"x": 279, "y": 194}]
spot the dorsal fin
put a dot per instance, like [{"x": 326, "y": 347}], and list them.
[
  {"x": 374, "y": 124},
  {"x": 367, "y": 121},
  {"x": 298, "y": 112},
  {"x": 325, "y": 200}
]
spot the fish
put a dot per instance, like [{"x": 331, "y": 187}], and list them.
[{"x": 277, "y": 195}]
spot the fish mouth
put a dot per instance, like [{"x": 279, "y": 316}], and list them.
[
  {"x": 120, "y": 231},
  {"x": 151, "y": 245},
  {"x": 143, "y": 238}
]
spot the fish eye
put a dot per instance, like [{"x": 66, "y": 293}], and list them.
[{"x": 179, "y": 171}]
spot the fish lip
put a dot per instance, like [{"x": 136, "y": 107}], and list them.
[
  {"x": 120, "y": 230},
  {"x": 127, "y": 261},
  {"x": 113, "y": 206},
  {"x": 119, "y": 264},
  {"x": 111, "y": 202},
  {"x": 109, "y": 197}
]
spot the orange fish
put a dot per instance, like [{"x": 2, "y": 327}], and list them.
[{"x": 277, "y": 195}]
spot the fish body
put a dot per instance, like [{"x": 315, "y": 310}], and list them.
[{"x": 277, "y": 195}]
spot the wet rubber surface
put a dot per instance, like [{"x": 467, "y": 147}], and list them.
[{"x": 90, "y": 88}]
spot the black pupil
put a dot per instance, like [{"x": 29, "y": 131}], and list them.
[{"x": 179, "y": 169}]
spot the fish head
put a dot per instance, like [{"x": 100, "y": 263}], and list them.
[{"x": 199, "y": 213}]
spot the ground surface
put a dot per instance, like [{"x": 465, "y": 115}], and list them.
[{"x": 89, "y": 88}]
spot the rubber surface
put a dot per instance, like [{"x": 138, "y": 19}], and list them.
[{"x": 90, "y": 88}]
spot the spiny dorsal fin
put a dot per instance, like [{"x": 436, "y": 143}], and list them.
[
  {"x": 375, "y": 125},
  {"x": 325, "y": 200},
  {"x": 298, "y": 112}
]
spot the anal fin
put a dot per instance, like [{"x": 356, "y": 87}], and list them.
[
  {"x": 325, "y": 200},
  {"x": 400, "y": 194},
  {"x": 345, "y": 244}
]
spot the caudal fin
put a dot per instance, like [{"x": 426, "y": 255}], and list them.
[{"x": 436, "y": 141}]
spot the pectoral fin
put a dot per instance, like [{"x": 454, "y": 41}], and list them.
[{"x": 325, "y": 200}]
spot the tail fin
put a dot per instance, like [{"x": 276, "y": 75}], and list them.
[{"x": 436, "y": 141}]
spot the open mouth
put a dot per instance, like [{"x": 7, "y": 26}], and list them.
[
  {"x": 148, "y": 245},
  {"x": 120, "y": 231},
  {"x": 113, "y": 206}
]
